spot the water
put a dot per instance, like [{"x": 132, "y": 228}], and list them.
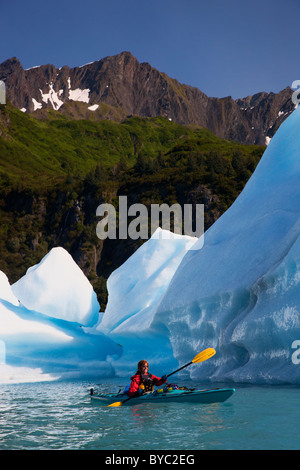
[{"x": 60, "y": 415}]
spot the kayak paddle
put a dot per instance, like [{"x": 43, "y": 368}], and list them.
[{"x": 203, "y": 356}]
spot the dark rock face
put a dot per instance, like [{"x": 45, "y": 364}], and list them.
[{"x": 122, "y": 86}]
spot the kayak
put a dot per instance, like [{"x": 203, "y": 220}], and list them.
[{"x": 217, "y": 395}]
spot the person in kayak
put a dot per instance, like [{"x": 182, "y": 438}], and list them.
[{"x": 142, "y": 381}]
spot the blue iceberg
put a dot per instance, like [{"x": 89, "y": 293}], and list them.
[
  {"x": 46, "y": 325},
  {"x": 238, "y": 292}
]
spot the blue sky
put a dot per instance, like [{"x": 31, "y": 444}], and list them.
[{"x": 224, "y": 48}]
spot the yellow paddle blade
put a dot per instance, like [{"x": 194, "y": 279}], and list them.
[
  {"x": 204, "y": 355},
  {"x": 116, "y": 403}
]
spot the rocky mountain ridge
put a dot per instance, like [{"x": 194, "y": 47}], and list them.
[{"x": 118, "y": 86}]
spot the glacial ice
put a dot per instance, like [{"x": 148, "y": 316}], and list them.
[
  {"x": 57, "y": 287},
  {"x": 136, "y": 288},
  {"x": 238, "y": 293},
  {"x": 6, "y": 292},
  {"x": 39, "y": 347},
  {"x": 49, "y": 319},
  {"x": 46, "y": 324}
]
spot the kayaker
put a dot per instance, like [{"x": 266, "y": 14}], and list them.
[{"x": 142, "y": 381}]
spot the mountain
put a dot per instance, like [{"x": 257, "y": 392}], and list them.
[{"x": 119, "y": 86}]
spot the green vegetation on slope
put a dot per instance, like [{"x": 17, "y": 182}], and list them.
[
  {"x": 34, "y": 151},
  {"x": 55, "y": 171}
]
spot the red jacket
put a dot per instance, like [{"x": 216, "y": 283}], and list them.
[{"x": 136, "y": 381}]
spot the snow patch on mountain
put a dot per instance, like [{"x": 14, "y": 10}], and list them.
[
  {"x": 78, "y": 94},
  {"x": 52, "y": 97}
]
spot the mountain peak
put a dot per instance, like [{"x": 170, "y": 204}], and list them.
[
  {"x": 123, "y": 86},
  {"x": 10, "y": 65},
  {"x": 12, "y": 61}
]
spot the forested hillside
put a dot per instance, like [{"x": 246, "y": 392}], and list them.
[{"x": 55, "y": 171}]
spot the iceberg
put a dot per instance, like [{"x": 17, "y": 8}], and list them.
[
  {"x": 58, "y": 288},
  {"x": 42, "y": 325},
  {"x": 175, "y": 296},
  {"x": 50, "y": 321},
  {"x": 16, "y": 375},
  {"x": 136, "y": 288},
  {"x": 6, "y": 292},
  {"x": 240, "y": 292}
]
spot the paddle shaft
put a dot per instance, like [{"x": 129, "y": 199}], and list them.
[{"x": 180, "y": 369}]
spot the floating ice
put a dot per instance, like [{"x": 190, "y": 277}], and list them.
[
  {"x": 58, "y": 348},
  {"x": 136, "y": 288},
  {"x": 58, "y": 288},
  {"x": 36, "y": 345},
  {"x": 15, "y": 375},
  {"x": 6, "y": 292},
  {"x": 240, "y": 293}
]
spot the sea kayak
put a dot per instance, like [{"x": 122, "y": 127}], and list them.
[{"x": 181, "y": 396}]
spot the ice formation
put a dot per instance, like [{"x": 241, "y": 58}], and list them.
[
  {"x": 240, "y": 293},
  {"x": 6, "y": 292},
  {"x": 45, "y": 348},
  {"x": 42, "y": 318},
  {"x": 58, "y": 288},
  {"x": 136, "y": 288}
]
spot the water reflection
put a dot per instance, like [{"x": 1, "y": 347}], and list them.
[
  {"x": 184, "y": 426},
  {"x": 142, "y": 414}
]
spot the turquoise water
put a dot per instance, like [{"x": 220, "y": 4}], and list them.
[{"x": 60, "y": 415}]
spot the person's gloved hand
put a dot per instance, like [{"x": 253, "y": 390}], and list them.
[
  {"x": 164, "y": 378},
  {"x": 140, "y": 391}
]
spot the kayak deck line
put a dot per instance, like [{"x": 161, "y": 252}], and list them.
[{"x": 217, "y": 395}]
